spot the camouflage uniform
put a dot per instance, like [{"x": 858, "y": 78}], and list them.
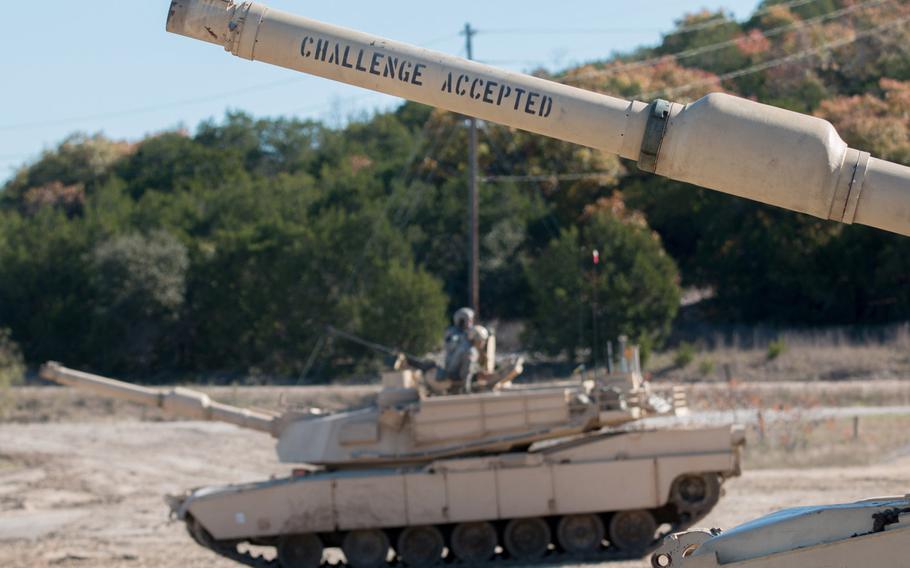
[{"x": 461, "y": 357}]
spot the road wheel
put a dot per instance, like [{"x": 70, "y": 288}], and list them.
[
  {"x": 366, "y": 549},
  {"x": 695, "y": 494},
  {"x": 527, "y": 539},
  {"x": 580, "y": 534},
  {"x": 633, "y": 531},
  {"x": 474, "y": 542},
  {"x": 300, "y": 551},
  {"x": 419, "y": 547},
  {"x": 200, "y": 535}
]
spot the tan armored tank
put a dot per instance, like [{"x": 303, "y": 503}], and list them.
[{"x": 523, "y": 469}]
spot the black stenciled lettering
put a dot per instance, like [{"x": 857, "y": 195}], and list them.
[
  {"x": 303, "y": 47},
  {"x": 476, "y": 84},
  {"x": 344, "y": 60},
  {"x": 546, "y": 107},
  {"x": 459, "y": 89},
  {"x": 532, "y": 99},
  {"x": 488, "y": 91},
  {"x": 391, "y": 64},
  {"x": 404, "y": 71},
  {"x": 415, "y": 78},
  {"x": 322, "y": 49},
  {"x": 335, "y": 56},
  {"x": 505, "y": 92},
  {"x": 519, "y": 93},
  {"x": 375, "y": 63},
  {"x": 359, "y": 66}
]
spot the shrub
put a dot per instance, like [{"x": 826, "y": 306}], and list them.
[
  {"x": 684, "y": 356},
  {"x": 139, "y": 282},
  {"x": 12, "y": 367},
  {"x": 707, "y": 367},
  {"x": 633, "y": 289},
  {"x": 776, "y": 348}
]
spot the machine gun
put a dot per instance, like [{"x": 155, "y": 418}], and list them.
[
  {"x": 413, "y": 361},
  {"x": 488, "y": 379}
]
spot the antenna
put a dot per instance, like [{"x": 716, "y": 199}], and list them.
[{"x": 473, "y": 206}]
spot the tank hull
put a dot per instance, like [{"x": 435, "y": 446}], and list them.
[{"x": 600, "y": 475}]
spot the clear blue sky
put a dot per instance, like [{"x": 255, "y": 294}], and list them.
[{"x": 108, "y": 65}]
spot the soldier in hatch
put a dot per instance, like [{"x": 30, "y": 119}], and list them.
[
  {"x": 456, "y": 366},
  {"x": 457, "y": 333},
  {"x": 465, "y": 368}
]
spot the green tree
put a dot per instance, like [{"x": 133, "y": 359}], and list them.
[
  {"x": 12, "y": 366},
  {"x": 633, "y": 291},
  {"x": 63, "y": 176},
  {"x": 404, "y": 307},
  {"x": 173, "y": 162},
  {"x": 45, "y": 297},
  {"x": 139, "y": 284},
  {"x": 702, "y": 29}
]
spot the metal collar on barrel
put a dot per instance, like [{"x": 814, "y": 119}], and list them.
[{"x": 658, "y": 118}]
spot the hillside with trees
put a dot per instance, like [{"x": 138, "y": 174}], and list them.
[{"x": 232, "y": 247}]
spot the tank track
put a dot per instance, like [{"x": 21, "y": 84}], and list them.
[{"x": 231, "y": 550}]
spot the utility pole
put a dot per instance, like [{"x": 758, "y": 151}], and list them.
[{"x": 473, "y": 206}]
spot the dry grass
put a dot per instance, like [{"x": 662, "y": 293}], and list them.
[
  {"x": 781, "y": 395},
  {"x": 823, "y": 356},
  {"x": 828, "y": 443}
]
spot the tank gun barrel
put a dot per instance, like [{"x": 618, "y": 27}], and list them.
[
  {"x": 720, "y": 142},
  {"x": 178, "y": 401}
]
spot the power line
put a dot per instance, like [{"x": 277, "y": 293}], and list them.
[
  {"x": 633, "y": 30},
  {"x": 512, "y": 61},
  {"x": 330, "y": 104},
  {"x": 438, "y": 40},
  {"x": 187, "y": 102},
  {"x": 150, "y": 108},
  {"x": 546, "y": 177},
  {"x": 773, "y": 62},
  {"x": 566, "y": 31},
  {"x": 719, "y": 22},
  {"x": 550, "y": 221},
  {"x": 692, "y": 52}
]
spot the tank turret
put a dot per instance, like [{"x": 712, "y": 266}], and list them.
[
  {"x": 402, "y": 427},
  {"x": 720, "y": 142}
]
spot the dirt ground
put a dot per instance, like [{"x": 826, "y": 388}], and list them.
[{"x": 84, "y": 488}]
